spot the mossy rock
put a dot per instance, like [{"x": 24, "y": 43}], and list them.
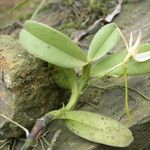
[{"x": 27, "y": 90}]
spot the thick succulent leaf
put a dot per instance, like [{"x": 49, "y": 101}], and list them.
[
  {"x": 48, "y": 53},
  {"x": 63, "y": 76},
  {"x": 133, "y": 67},
  {"x": 104, "y": 40},
  {"x": 54, "y": 38},
  {"x": 97, "y": 128},
  {"x": 51, "y": 45}
]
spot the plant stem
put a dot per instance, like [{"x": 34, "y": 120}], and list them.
[
  {"x": 76, "y": 90},
  {"x": 37, "y": 10},
  {"x": 74, "y": 95},
  {"x": 50, "y": 116},
  {"x": 107, "y": 73},
  {"x": 39, "y": 125},
  {"x": 115, "y": 67},
  {"x": 126, "y": 95},
  {"x": 84, "y": 78}
]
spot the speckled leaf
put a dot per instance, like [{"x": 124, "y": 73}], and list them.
[
  {"x": 104, "y": 40},
  {"x": 97, "y": 128},
  {"x": 133, "y": 67},
  {"x": 51, "y": 45}
]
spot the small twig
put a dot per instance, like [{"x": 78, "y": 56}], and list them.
[
  {"x": 126, "y": 95},
  {"x": 46, "y": 132},
  {"x": 52, "y": 144},
  {"x": 54, "y": 139},
  {"x": 116, "y": 11},
  {"x": 42, "y": 145},
  {"x": 48, "y": 144},
  {"x": 37, "y": 10},
  {"x": 78, "y": 35},
  {"x": 9, "y": 148},
  {"x": 5, "y": 143},
  {"x": 131, "y": 109},
  {"x": 14, "y": 145},
  {"x": 17, "y": 124},
  {"x": 2, "y": 141}
]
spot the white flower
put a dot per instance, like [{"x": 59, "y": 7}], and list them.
[
  {"x": 142, "y": 56},
  {"x": 133, "y": 50}
]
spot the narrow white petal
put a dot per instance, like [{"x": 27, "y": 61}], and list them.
[
  {"x": 142, "y": 56},
  {"x": 137, "y": 42},
  {"x": 130, "y": 41},
  {"x": 134, "y": 49}
]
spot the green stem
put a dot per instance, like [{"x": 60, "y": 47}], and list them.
[
  {"x": 37, "y": 10},
  {"x": 76, "y": 90},
  {"x": 74, "y": 96},
  {"x": 39, "y": 125},
  {"x": 84, "y": 78},
  {"x": 126, "y": 94},
  {"x": 107, "y": 73}
]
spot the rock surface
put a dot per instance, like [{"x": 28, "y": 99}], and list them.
[{"x": 26, "y": 88}]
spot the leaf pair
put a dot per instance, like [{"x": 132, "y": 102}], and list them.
[
  {"x": 97, "y": 128},
  {"x": 54, "y": 47},
  {"x": 51, "y": 45}
]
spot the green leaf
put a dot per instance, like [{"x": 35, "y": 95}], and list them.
[
  {"x": 63, "y": 76},
  {"x": 133, "y": 67},
  {"x": 97, "y": 128},
  {"x": 19, "y": 4},
  {"x": 104, "y": 40},
  {"x": 51, "y": 45}
]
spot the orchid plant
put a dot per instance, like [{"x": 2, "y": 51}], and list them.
[{"x": 59, "y": 50}]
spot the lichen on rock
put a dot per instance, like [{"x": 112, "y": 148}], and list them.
[{"x": 27, "y": 90}]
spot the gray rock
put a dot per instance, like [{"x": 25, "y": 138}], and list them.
[{"x": 26, "y": 88}]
